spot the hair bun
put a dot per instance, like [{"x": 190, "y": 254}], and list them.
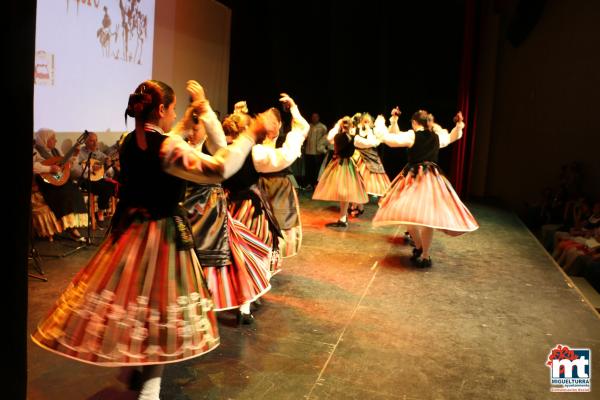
[{"x": 138, "y": 104}]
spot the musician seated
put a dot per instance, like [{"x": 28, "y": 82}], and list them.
[
  {"x": 52, "y": 173},
  {"x": 114, "y": 170},
  {"x": 92, "y": 179}
]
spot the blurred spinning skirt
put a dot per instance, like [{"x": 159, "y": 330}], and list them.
[
  {"x": 141, "y": 299},
  {"x": 421, "y": 195}
]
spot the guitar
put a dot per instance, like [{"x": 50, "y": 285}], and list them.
[
  {"x": 97, "y": 168},
  {"x": 64, "y": 163}
]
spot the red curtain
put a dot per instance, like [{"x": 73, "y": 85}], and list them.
[{"x": 462, "y": 153}]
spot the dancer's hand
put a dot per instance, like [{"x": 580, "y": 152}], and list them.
[
  {"x": 198, "y": 107},
  {"x": 395, "y": 113},
  {"x": 459, "y": 120},
  {"x": 287, "y": 101},
  {"x": 195, "y": 90}
]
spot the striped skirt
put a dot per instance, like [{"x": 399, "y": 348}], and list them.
[
  {"x": 341, "y": 182},
  {"x": 141, "y": 299},
  {"x": 424, "y": 197},
  {"x": 259, "y": 225},
  {"x": 246, "y": 278},
  {"x": 376, "y": 184}
]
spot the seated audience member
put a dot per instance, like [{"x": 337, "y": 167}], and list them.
[{"x": 579, "y": 239}]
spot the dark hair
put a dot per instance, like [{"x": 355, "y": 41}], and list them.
[
  {"x": 144, "y": 102},
  {"x": 421, "y": 117}
]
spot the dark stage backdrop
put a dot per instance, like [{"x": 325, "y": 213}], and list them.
[{"x": 337, "y": 58}]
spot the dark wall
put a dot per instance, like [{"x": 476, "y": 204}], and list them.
[
  {"x": 17, "y": 195},
  {"x": 338, "y": 57},
  {"x": 539, "y": 109}
]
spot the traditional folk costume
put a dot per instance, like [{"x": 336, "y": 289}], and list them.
[
  {"x": 369, "y": 164},
  {"x": 248, "y": 205},
  {"x": 251, "y": 198},
  {"x": 234, "y": 260},
  {"x": 341, "y": 180},
  {"x": 277, "y": 186},
  {"x": 142, "y": 299},
  {"x": 421, "y": 195}
]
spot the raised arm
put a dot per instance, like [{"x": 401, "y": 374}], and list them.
[
  {"x": 299, "y": 124},
  {"x": 456, "y": 133},
  {"x": 334, "y": 131},
  {"x": 366, "y": 142},
  {"x": 392, "y": 139},
  {"x": 270, "y": 159},
  {"x": 182, "y": 160}
]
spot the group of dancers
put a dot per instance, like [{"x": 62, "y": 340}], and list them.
[
  {"x": 420, "y": 197},
  {"x": 202, "y": 225}
]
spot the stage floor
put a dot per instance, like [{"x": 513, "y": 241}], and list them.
[{"x": 349, "y": 318}]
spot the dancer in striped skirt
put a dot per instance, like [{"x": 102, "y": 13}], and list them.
[
  {"x": 249, "y": 204},
  {"x": 340, "y": 180},
  {"x": 235, "y": 262},
  {"x": 368, "y": 163},
  {"x": 421, "y": 197},
  {"x": 277, "y": 186},
  {"x": 142, "y": 299}
]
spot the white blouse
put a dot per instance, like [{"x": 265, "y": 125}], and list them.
[{"x": 267, "y": 158}]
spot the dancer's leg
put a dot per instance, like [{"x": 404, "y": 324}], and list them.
[
  {"x": 343, "y": 211},
  {"x": 151, "y": 376},
  {"x": 426, "y": 237},
  {"x": 415, "y": 235}
]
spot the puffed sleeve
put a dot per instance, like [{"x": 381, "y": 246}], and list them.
[
  {"x": 182, "y": 160},
  {"x": 215, "y": 137},
  {"x": 38, "y": 167},
  {"x": 400, "y": 139},
  {"x": 269, "y": 159},
  {"x": 366, "y": 142}
]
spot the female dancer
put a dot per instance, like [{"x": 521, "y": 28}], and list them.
[
  {"x": 247, "y": 203},
  {"x": 368, "y": 163},
  {"x": 142, "y": 299},
  {"x": 277, "y": 186},
  {"x": 421, "y": 197},
  {"x": 234, "y": 260},
  {"x": 340, "y": 180}
]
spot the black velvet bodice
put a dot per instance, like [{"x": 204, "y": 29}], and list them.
[
  {"x": 425, "y": 148},
  {"x": 144, "y": 184}
]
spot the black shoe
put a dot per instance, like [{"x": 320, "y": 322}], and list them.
[
  {"x": 135, "y": 382},
  {"x": 337, "y": 224},
  {"x": 245, "y": 319},
  {"x": 423, "y": 262},
  {"x": 416, "y": 254}
]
